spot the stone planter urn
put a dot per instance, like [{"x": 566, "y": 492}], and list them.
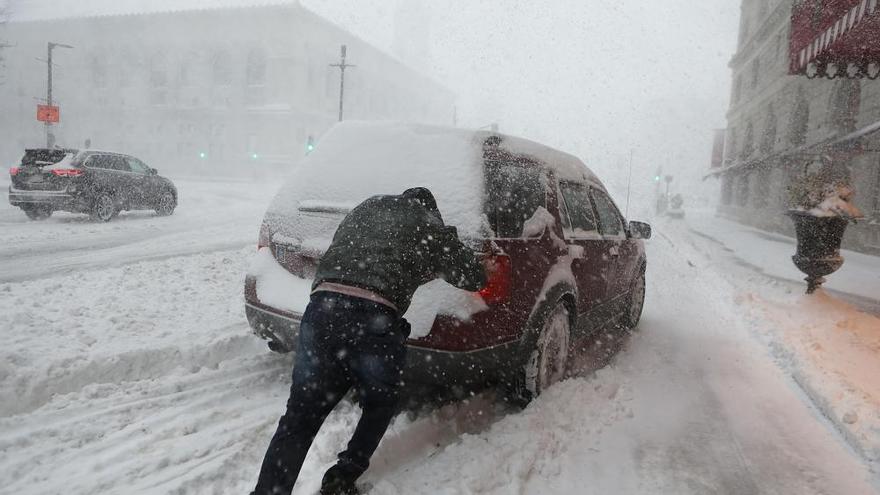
[{"x": 818, "y": 246}]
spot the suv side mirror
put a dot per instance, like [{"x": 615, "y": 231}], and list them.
[
  {"x": 152, "y": 171},
  {"x": 639, "y": 230}
]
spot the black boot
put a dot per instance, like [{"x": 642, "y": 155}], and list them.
[{"x": 338, "y": 480}]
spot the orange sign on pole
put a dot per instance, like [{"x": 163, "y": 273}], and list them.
[{"x": 48, "y": 113}]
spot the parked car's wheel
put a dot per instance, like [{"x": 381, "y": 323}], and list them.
[
  {"x": 37, "y": 212},
  {"x": 636, "y": 302},
  {"x": 103, "y": 208},
  {"x": 166, "y": 204}
]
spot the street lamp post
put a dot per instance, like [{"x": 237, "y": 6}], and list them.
[{"x": 50, "y": 140}]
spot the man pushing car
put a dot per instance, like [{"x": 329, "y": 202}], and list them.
[{"x": 353, "y": 333}]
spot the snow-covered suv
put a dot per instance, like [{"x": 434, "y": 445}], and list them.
[{"x": 561, "y": 259}]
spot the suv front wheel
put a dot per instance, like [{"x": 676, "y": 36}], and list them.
[
  {"x": 166, "y": 204},
  {"x": 636, "y": 302}
]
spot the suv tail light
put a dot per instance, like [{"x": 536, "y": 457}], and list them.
[
  {"x": 499, "y": 279},
  {"x": 67, "y": 172},
  {"x": 265, "y": 237},
  {"x": 13, "y": 170}
]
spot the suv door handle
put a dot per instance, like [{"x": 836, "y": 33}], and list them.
[{"x": 614, "y": 251}]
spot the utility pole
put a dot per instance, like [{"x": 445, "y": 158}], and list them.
[
  {"x": 342, "y": 66},
  {"x": 50, "y": 139}
]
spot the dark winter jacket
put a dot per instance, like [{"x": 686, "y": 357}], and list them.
[{"x": 393, "y": 244}]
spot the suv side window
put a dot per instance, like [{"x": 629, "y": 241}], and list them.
[
  {"x": 96, "y": 161},
  {"x": 136, "y": 165},
  {"x": 513, "y": 193},
  {"x": 609, "y": 218},
  {"x": 118, "y": 163},
  {"x": 580, "y": 210}
]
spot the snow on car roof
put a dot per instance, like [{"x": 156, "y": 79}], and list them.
[{"x": 356, "y": 160}]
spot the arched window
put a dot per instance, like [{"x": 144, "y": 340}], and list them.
[{"x": 221, "y": 68}]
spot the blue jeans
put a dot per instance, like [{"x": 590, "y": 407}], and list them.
[{"x": 344, "y": 342}]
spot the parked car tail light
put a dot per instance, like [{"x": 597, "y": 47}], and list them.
[
  {"x": 13, "y": 170},
  {"x": 265, "y": 237},
  {"x": 67, "y": 172},
  {"x": 498, "y": 286}
]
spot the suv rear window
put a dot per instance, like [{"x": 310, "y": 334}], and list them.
[
  {"x": 513, "y": 193},
  {"x": 42, "y": 157}
]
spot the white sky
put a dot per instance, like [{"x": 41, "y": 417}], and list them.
[
  {"x": 593, "y": 77},
  {"x": 596, "y": 78}
]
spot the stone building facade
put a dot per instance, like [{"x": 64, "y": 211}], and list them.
[
  {"x": 777, "y": 122},
  {"x": 241, "y": 86}
]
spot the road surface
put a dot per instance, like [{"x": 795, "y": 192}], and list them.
[{"x": 129, "y": 368}]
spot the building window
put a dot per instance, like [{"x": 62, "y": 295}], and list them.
[
  {"x": 255, "y": 77},
  {"x": 186, "y": 70},
  {"x": 742, "y": 197},
  {"x": 726, "y": 190},
  {"x": 126, "y": 67},
  {"x": 768, "y": 140},
  {"x": 877, "y": 191},
  {"x": 800, "y": 120},
  {"x": 748, "y": 142},
  {"x": 99, "y": 72},
  {"x": 730, "y": 146},
  {"x": 756, "y": 72},
  {"x": 845, "y": 102},
  {"x": 763, "y": 189},
  {"x": 221, "y": 68},
  {"x": 158, "y": 81}
]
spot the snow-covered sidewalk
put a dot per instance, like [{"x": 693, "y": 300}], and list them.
[
  {"x": 770, "y": 253},
  {"x": 830, "y": 347}
]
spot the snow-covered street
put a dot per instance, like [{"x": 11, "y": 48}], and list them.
[{"x": 129, "y": 367}]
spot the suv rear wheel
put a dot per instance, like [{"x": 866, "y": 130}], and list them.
[
  {"x": 37, "y": 212},
  {"x": 548, "y": 360},
  {"x": 103, "y": 208}
]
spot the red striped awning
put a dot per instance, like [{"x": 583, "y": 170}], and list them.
[{"x": 835, "y": 38}]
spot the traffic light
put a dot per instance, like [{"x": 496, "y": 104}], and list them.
[
  {"x": 310, "y": 145},
  {"x": 656, "y": 178},
  {"x": 203, "y": 155},
  {"x": 254, "y": 156}
]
